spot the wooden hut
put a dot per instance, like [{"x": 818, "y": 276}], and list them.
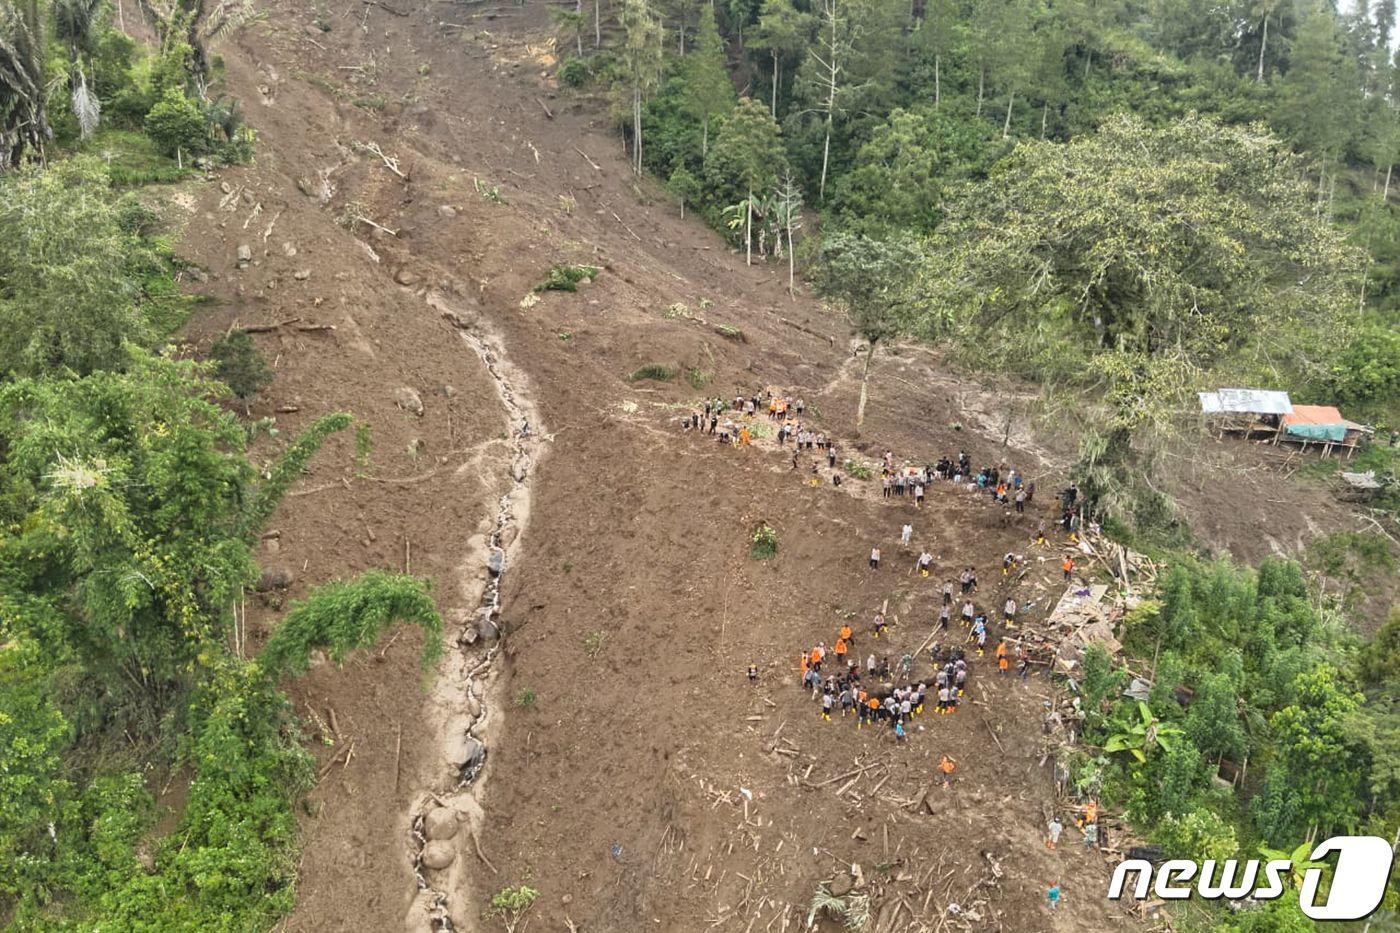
[
  {"x": 1323, "y": 425},
  {"x": 1245, "y": 412}
]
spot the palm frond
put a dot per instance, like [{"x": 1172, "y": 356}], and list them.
[
  {"x": 87, "y": 109},
  {"x": 228, "y": 18},
  {"x": 24, "y": 123}
]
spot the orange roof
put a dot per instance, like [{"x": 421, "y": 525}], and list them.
[{"x": 1313, "y": 414}]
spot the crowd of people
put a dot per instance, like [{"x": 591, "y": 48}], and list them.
[{"x": 881, "y": 693}]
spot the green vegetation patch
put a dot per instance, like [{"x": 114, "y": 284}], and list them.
[
  {"x": 764, "y": 542},
  {"x": 656, "y": 372},
  {"x": 566, "y": 278}
]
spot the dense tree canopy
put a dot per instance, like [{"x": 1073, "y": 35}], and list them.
[{"x": 1194, "y": 240}]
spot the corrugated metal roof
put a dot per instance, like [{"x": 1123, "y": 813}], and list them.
[{"x": 1251, "y": 401}]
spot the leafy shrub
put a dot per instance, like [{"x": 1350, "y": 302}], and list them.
[
  {"x": 573, "y": 72},
  {"x": 488, "y": 191},
  {"x": 525, "y": 699},
  {"x": 698, "y": 378},
  {"x": 1199, "y": 835},
  {"x": 654, "y": 371},
  {"x": 764, "y": 543},
  {"x": 1368, "y": 371},
  {"x": 364, "y": 447},
  {"x": 730, "y": 332},
  {"x": 342, "y": 616},
  {"x": 70, "y": 296},
  {"x": 593, "y": 643},
  {"x": 857, "y": 470},
  {"x": 175, "y": 123},
  {"x": 565, "y": 278},
  {"x": 511, "y": 904},
  {"x": 129, "y": 107},
  {"x": 240, "y": 365}
]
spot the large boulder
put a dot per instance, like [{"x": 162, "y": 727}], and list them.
[
  {"x": 438, "y": 854},
  {"x": 466, "y": 752},
  {"x": 440, "y": 823}
]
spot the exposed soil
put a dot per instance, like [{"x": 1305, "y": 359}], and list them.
[{"x": 620, "y": 791}]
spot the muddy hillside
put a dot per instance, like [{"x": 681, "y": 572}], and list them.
[{"x": 593, "y": 731}]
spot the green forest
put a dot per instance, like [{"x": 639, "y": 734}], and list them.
[{"x": 130, "y": 506}]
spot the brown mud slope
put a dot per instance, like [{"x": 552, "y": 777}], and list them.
[{"x": 414, "y": 180}]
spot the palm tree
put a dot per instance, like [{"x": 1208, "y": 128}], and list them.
[
  {"x": 24, "y": 124},
  {"x": 73, "y": 25},
  {"x": 200, "y": 24}
]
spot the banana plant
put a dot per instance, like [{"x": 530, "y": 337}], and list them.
[
  {"x": 1298, "y": 858},
  {"x": 1144, "y": 736}
]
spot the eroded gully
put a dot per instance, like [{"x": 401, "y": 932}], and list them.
[{"x": 446, "y": 819}]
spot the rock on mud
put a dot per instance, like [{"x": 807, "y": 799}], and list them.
[
  {"x": 274, "y": 578},
  {"x": 408, "y": 400},
  {"x": 440, "y": 823},
  {"x": 465, "y": 751},
  {"x": 438, "y": 854}
]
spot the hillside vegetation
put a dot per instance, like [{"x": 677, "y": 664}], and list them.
[{"x": 131, "y": 507}]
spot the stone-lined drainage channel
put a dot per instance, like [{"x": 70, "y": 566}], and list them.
[{"x": 432, "y": 842}]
